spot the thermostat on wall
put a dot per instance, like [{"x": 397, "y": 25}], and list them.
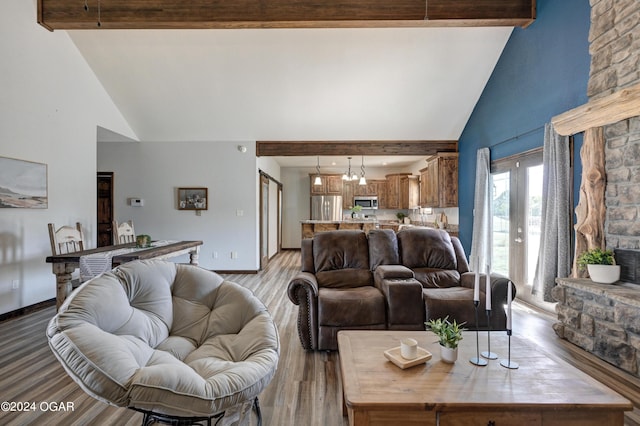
[{"x": 136, "y": 202}]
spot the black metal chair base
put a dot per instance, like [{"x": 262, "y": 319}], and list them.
[{"x": 150, "y": 418}]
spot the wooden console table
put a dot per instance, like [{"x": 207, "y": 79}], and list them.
[
  {"x": 543, "y": 391},
  {"x": 64, "y": 264}
]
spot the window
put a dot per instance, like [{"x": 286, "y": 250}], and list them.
[{"x": 516, "y": 206}]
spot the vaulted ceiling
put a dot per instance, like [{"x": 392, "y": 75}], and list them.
[{"x": 291, "y": 84}]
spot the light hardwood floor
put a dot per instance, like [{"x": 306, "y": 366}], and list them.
[{"x": 306, "y": 389}]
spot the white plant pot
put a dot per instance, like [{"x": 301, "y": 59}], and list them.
[
  {"x": 448, "y": 355},
  {"x": 604, "y": 274}
]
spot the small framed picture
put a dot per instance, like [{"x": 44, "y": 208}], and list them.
[{"x": 192, "y": 199}]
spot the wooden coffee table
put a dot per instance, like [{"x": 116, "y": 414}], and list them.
[{"x": 542, "y": 391}]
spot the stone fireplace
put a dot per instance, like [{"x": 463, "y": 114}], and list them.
[{"x": 605, "y": 319}]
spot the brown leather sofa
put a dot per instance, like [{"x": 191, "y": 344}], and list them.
[{"x": 383, "y": 280}]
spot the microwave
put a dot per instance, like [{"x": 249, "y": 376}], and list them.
[{"x": 368, "y": 202}]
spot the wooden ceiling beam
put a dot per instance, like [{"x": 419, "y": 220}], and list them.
[
  {"x": 346, "y": 148},
  {"x": 205, "y": 14}
]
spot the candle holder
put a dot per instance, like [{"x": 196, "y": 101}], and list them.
[
  {"x": 488, "y": 354},
  {"x": 477, "y": 360},
  {"x": 507, "y": 363}
]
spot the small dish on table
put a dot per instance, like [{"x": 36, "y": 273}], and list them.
[{"x": 395, "y": 357}]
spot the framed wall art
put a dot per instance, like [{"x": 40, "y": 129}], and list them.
[
  {"x": 23, "y": 184},
  {"x": 193, "y": 199}
]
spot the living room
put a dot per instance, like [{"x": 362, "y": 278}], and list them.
[{"x": 55, "y": 108}]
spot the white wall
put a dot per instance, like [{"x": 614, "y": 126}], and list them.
[
  {"x": 154, "y": 170},
  {"x": 50, "y": 107}
]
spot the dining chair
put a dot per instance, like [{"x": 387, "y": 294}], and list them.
[
  {"x": 66, "y": 239},
  {"x": 123, "y": 233}
]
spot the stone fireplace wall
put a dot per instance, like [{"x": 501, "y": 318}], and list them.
[
  {"x": 605, "y": 319},
  {"x": 615, "y": 64}
]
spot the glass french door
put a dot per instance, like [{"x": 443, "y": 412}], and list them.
[{"x": 516, "y": 206}]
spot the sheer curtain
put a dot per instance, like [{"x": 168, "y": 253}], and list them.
[
  {"x": 480, "y": 255},
  {"x": 554, "y": 256}
]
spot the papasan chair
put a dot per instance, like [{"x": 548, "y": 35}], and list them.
[{"x": 176, "y": 342}]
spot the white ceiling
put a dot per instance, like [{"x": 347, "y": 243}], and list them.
[{"x": 294, "y": 84}]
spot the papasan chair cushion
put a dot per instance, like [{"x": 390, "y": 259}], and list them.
[{"x": 169, "y": 339}]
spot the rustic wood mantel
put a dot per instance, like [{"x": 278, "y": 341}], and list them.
[
  {"x": 618, "y": 106},
  {"x": 589, "y": 118}
]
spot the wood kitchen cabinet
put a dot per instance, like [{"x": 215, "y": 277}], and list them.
[
  {"x": 402, "y": 191},
  {"x": 409, "y": 192},
  {"x": 331, "y": 185},
  {"x": 439, "y": 181},
  {"x": 374, "y": 187}
]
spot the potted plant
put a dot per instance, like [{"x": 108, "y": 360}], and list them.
[
  {"x": 401, "y": 216},
  {"x": 143, "y": 240},
  {"x": 600, "y": 264},
  {"x": 355, "y": 210},
  {"x": 449, "y": 334}
]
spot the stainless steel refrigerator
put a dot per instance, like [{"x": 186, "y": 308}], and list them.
[{"x": 326, "y": 207}]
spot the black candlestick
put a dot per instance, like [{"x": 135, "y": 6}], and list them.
[
  {"x": 477, "y": 360},
  {"x": 507, "y": 363},
  {"x": 488, "y": 354}
]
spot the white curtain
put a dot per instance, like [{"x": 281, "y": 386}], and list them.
[
  {"x": 554, "y": 257},
  {"x": 480, "y": 256}
]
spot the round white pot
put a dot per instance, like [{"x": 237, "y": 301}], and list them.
[
  {"x": 604, "y": 274},
  {"x": 448, "y": 355}
]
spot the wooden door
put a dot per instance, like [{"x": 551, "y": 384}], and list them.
[
  {"x": 105, "y": 209},
  {"x": 264, "y": 221}
]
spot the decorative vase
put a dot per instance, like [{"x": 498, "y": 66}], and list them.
[
  {"x": 448, "y": 355},
  {"x": 604, "y": 274}
]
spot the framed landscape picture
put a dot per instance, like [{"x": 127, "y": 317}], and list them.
[
  {"x": 23, "y": 184},
  {"x": 192, "y": 199}
]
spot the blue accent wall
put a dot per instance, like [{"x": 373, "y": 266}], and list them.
[{"x": 543, "y": 71}]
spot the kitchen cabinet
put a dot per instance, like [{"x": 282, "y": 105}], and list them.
[
  {"x": 403, "y": 191},
  {"x": 374, "y": 187},
  {"x": 439, "y": 181},
  {"x": 331, "y": 185},
  {"x": 409, "y": 192}
]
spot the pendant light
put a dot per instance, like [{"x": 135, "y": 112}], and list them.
[
  {"x": 347, "y": 175},
  {"x": 363, "y": 180},
  {"x": 318, "y": 180}
]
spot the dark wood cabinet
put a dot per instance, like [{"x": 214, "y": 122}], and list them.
[
  {"x": 403, "y": 191},
  {"x": 409, "y": 192},
  {"x": 330, "y": 185},
  {"x": 439, "y": 181}
]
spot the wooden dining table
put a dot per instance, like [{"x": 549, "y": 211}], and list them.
[{"x": 63, "y": 265}]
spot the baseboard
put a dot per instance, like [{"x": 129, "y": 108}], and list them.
[{"x": 27, "y": 309}]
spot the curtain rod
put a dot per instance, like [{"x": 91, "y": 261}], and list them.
[{"x": 518, "y": 136}]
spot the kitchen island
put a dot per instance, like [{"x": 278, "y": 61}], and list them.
[{"x": 311, "y": 227}]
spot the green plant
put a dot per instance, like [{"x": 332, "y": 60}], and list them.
[
  {"x": 596, "y": 256},
  {"x": 400, "y": 216},
  {"x": 356, "y": 209},
  {"x": 449, "y": 333}
]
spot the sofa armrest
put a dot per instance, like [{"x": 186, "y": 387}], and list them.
[
  {"x": 498, "y": 285},
  {"x": 392, "y": 271},
  {"x": 403, "y": 302},
  {"x": 499, "y": 288},
  {"x": 303, "y": 291}
]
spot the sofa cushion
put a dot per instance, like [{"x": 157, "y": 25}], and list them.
[
  {"x": 454, "y": 302},
  {"x": 341, "y": 259},
  {"x": 383, "y": 248},
  {"x": 437, "y": 278},
  {"x": 351, "y": 307},
  {"x": 423, "y": 247}
]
